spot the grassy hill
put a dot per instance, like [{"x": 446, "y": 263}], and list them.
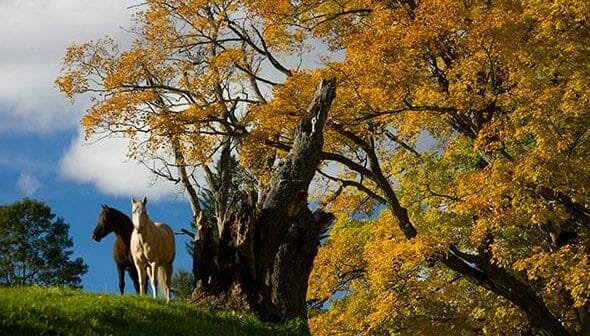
[{"x": 56, "y": 311}]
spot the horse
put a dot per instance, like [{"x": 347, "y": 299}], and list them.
[
  {"x": 153, "y": 249},
  {"x": 113, "y": 220}
]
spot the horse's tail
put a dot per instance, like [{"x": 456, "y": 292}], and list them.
[
  {"x": 165, "y": 279},
  {"x": 164, "y": 275}
]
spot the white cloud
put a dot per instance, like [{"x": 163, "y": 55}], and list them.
[
  {"x": 105, "y": 164},
  {"x": 34, "y": 37},
  {"x": 27, "y": 184}
]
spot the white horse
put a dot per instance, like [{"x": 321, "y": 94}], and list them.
[{"x": 153, "y": 249}]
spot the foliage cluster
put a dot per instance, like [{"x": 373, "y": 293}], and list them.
[
  {"x": 35, "y": 247},
  {"x": 183, "y": 284}
]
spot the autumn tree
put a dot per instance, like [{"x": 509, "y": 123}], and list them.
[
  {"x": 182, "y": 92},
  {"x": 465, "y": 124},
  {"x": 35, "y": 247},
  {"x": 459, "y": 128}
]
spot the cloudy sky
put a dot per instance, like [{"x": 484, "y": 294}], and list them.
[{"x": 42, "y": 152}]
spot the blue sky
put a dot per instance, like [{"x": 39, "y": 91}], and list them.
[{"x": 42, "y": 152}]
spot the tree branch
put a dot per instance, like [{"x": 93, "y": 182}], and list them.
[{"x": 358, "y": 185}]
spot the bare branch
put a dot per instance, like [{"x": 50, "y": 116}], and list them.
[
  {"x": 358, "y": 185},
  {"x": 404, "y": 145}
]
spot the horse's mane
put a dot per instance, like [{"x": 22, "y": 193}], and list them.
[{"x": 120, "y": 216}]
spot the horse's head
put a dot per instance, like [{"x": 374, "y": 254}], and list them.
[
  {"x": 139, "y": 213},
  {"x": 103, "y": 225}
]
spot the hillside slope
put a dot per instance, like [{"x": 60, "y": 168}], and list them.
[{"x": 56, "y": 311}]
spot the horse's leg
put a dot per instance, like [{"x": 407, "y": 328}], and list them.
[
  {"x": 148, "y": 269},
  {"x": 153, "y": 275},
  {"x": 168, "y": 280},
  {"x": 121, "y": 270},
  {"x": 134, "y": 278},
  {"x": 141, "y": 274}
]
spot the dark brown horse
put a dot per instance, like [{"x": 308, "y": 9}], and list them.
[{"x": 113, "y": 220}]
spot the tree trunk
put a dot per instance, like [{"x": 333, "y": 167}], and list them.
[
  {"x": 260, "y": 257},
  {"x": 294, "y": 262},
  {"x": 479, "y": 269},
  {"x": 584, "y": 318}
]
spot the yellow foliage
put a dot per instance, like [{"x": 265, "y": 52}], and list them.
[
  {"x": 500, "y": 90},
  {"x": 477, "y": 113}
]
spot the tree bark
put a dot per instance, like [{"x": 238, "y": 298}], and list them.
[
  {"x": 294, "y": 262},
  {"x": 262, "y": 257},
  {"x": 479, "y": 269},
  {"x": 584, "y": 318}
]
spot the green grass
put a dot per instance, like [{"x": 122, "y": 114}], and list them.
[{"x": 57, "y": 311}]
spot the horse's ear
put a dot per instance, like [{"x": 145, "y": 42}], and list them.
[
  {"x": 132, "y": 200},
  {"x": 104, "y": 206},
  {"x": 144, "y": 201}
]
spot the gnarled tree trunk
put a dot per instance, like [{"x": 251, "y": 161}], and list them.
[{"x": 259, "y": 258}]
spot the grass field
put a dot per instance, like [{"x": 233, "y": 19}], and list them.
[{"x": 56, "y": 311}]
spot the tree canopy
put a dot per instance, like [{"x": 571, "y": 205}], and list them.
[
  {"x": 35, "y": 247},
  {"x": 455, "y": 154},
  {"x": 183, "y": 284}
]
